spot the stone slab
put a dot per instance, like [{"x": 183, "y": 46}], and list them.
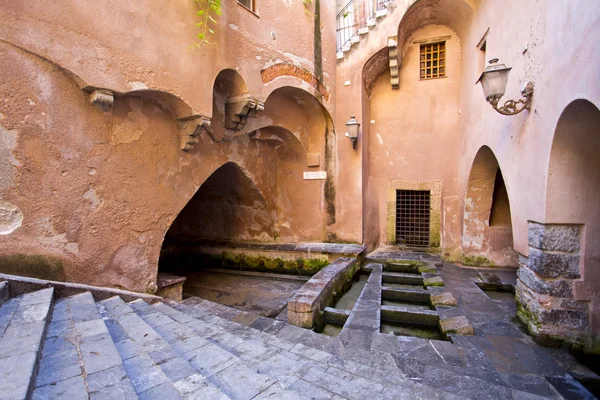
[{"x": 456, "y": 325}]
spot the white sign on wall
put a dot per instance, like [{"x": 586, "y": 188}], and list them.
[{"x": 315, "y": 175}]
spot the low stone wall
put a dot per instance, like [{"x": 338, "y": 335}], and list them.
[
  {"x": 305, "y": 306},
  {"x": 20, "y": 284},
  {"x": 294, "y": 258},
  {"x": 544, "y": 290}
]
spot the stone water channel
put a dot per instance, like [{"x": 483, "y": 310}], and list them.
[
  {"x": 349, "y": 296},
  {"x": 395, "y": 295}
]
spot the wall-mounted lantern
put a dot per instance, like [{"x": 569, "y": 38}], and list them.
[
  {"x": 493, "y": 81},
  {"x": 352, "y": 130}
]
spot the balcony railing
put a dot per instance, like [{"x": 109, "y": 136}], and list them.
[{"x": 357, "y": 15}]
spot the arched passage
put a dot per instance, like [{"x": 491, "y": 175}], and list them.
[
  {"x": 487, "y": 229},
  {"x": 227, "y": 207},
  {"x": 573, "y": 194}
]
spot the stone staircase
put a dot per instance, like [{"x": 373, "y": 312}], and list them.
[{"x": 77, "y": 348}]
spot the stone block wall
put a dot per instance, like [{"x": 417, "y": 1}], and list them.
[{"x": 544, "y": 292}]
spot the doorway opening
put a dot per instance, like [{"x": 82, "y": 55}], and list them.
[{"x": 413, "y": 217}]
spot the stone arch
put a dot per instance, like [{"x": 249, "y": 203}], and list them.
[
  {"x": 573, "y": 193},
  {"x": 306, "y": 118},
  {"x": 455, "y": 14},
  {"x": 487, "y": 229},
  {"x": 228, "y": 206}
]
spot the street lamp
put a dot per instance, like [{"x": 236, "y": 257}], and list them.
[
  {"x": 352, "y": 130},
  {"x": 493, "y": 81}
]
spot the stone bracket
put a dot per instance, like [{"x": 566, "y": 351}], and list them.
[
  {"x": 392, "y": 44},
  {"x": 102, "y": 98},
  {"x": 190, "y": 129},
  {"x": 239, "y": 109}
]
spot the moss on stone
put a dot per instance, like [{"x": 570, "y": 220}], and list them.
[
  {"x": 33, "y": 266},
  {"x": 476, "y": 261},
  {"x": 428, "y": 269},
  {"x": 433, "y": 281},
  {"x": 229, "y": 260}
]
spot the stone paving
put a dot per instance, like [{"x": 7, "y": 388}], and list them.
[{"x": 197, "y": 349}]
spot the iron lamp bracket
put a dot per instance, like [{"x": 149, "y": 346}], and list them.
[{"x": 514, "y": 107}]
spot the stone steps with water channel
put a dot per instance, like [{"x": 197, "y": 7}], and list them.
[{"x": 79, "y": 347}]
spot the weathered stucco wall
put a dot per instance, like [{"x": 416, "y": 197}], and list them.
[
  {"x": 413, "y": 130},
  {"x": 90, "y": 194},
  {"x": 544, "y": 42}
]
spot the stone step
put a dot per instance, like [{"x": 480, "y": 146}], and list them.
[
  {"x": 377, "y": 364},
  {"x": 335, "y": 315},
  {"x": 313, "y": 370},
  {"x": 394, "y": 361},
  {"x": 410, "y": 295},
  {"x": 409, "y": 315},
  {"x": 258, "y": 358},
  {"x": 400, "y": 267},
  {"x": 156, "y": 369},
  {"x": 221, "y": 365},
  {"x": 23, "y": 322},
  {"x": 403, "y": 278},
  {"x": 80, "y": 359}
]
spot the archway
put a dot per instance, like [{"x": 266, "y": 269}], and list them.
[
  {"x": 227, "y": 207},
  {"x": 487, "y": 229},
  {"x": 573, "y": 193}
]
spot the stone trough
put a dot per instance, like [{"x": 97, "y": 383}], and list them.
[{"x": 305, "y": 307}]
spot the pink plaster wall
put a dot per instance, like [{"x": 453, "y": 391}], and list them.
[
  {"x": 414, "y": 131},
  {"x": 98, "y": 190}
]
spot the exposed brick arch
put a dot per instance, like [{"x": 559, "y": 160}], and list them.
[{"x": 287, "y": 69}]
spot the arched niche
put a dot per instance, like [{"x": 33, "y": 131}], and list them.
[{"x": 487, "y": 229}]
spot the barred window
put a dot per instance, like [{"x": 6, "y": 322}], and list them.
[{"x": 433, "y": 60}]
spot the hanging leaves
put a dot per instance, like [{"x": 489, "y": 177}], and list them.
[{"x": 210, "y": 11}]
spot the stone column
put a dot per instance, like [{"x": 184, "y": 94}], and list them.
[{"x": 544, "y": 291}]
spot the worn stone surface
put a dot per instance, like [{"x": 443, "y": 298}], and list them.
[
  {"x": 314, "y": 296},
  {"x": 194, "y": 349},
  {"x": 459, "y": 325},
  {"x": 554, "y": 237},
  {"x": 433, "y": 281},
  {"x": 554, "y": 265},
  {"x": 443, "y": 299},
  {"x": 553, "y": 287},
  {"x": 11, "y": 218}
]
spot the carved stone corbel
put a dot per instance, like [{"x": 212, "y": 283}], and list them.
[
  {"x": 102, "y": 98},
  {"x": 190, "y": 129},
  {"x": 239, "y": 109},
  {"x": 393, "y": 57}
]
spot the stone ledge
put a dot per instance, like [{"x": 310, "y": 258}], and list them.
[
  {"x": 309, "y": 247},
  {"x": 20, "y": 284},
  {"x": 305, "y": 306}
]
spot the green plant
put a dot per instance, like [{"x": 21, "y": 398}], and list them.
[{"x": 210, "y": 11}]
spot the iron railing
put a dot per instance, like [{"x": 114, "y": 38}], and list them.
[{"x": 355, "y": 15}]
